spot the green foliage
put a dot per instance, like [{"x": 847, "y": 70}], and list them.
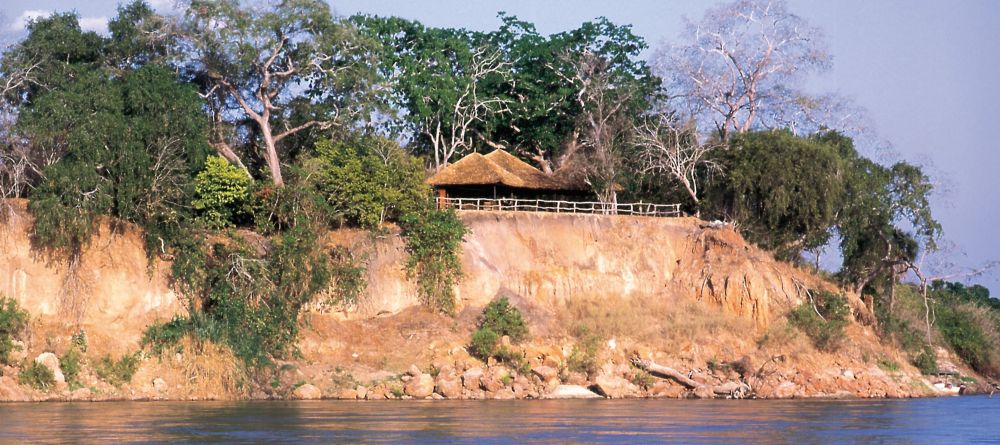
[
  {"x": 117, "y": 372},
  {"x": 584, "y": 357},
  {"x": 222, "y": 194},
  {"x": 13, "y": 322},
  {"x": 71, "y": 363},
  {"x": 826, "y": 329},
  {"x": 504, "y": 319},
  {"x": 163, "y": 336},
  {"x": 888, "y": 364},
  {"x": 433, "y": 241},
  {"x": 783, "y": 190},
  {"x": 643, "y": 379},
  {"x": 348, "y": 276},
  {"x": 79, "y": 341},
  {"x": 968, "y": 339},
  {"x": 483, "y": 343},
  {"x": 370, "y": 180},
  {"x": 37, "y": 376},
  {"x": 926, "y": 360}
]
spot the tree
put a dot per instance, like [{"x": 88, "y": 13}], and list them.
[
  {"x": 665, "y": 149},
  {"x": 273, "y": 72},
  {"x": 448, "y": 83},
  {"x": 370, "y": 180},
  {"x": 740, "y": 61},
  {"x": 782, "y": 190}
]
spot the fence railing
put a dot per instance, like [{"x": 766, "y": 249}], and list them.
[{"x": 542, "y": 205}]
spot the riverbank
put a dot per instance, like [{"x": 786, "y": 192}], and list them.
[{"x": 596, "y": 291}]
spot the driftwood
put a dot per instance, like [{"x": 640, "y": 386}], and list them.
[{"x": 736, "y": 390}]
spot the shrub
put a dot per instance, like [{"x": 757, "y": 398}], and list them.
[
  {"x": 117, "y": 372},
  {"x": 826, "y": 328},
  {"x": 926, "y": 360},
  {"x": 584, "y": 358},
  {"x": 222, "y": 193},
  {"x": 160, "y": 337},
  {"x": 71, "y": 362},
  {"x": 37, "y": 376},
  {"x": 13, "y": 321},
  {"x": 484, "y": 343},
  {"x": 348, "y": 276},
  {"x": 433, "y": 241},
  {"x": 504, "y": 319},
  {"x": 967, "y": 338}
]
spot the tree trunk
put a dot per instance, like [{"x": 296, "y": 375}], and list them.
[
  {"x": 273, "y": 163},
  {"x": 737, "y": 390}
]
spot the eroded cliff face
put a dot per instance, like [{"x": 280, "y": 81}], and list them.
[
  {"x": 550, "y": 259},
  {"x": 675, "y": 290},
  {"x": 112, "y": 292}
]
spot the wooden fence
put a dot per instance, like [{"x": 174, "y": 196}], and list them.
[{"x": 541, "y": 205}]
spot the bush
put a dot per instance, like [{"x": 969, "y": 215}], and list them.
[
  {"x": 117, "y": 372},
  {"x": 504, "y": 319},
  {"x": 434, "y": 241},
  {"x": 584, "y": 356},
  {"x": 160, "y": 337},
  {"x": 926, "y": 360},
  {"x": 13, "y": 321},
  {"x": 37, "y": 376},
  {"x": 967, "y": 338},
  {"x": 222, "y": 194},
  {"x": 484, "y": 343},
  {"x": 826, "y": 332},
  {"x": 348, "y": 276},
  {"x": 71, "y": 363}
]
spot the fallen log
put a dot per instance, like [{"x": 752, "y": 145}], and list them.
[{"x": 736, "y": 390}]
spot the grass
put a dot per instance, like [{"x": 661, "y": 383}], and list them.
[
  {"x": 117, "y": 372},
  {"x": 37, "y": 375}
]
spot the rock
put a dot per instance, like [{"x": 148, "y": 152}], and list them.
[
  {"x": 612, "y": 387},
  {"x": 848, "y": 374},
  {"x": 576, "y": 378},
  {"x": 18, "y": 353},
  {"x": 545, "y": 373},
  {"x": 414, "y": 371},
  {"x": 159, "y": 384},
  {"x": 361, "y": 392},
  {"x": 448, "y": 387},
  {"x": 49, "y": 360},
  {"x": 307, "y": 392},
  {"x": 80, "y": 394},
  {"x": 703, "y": 392},
  {"x": 572, "y": 392},
  {"x": 552, "y": 361},
  {"x": 665, "y": 389},
  {"x": 505, "y": 394},
  {"x": 505, "y": 341},
  {"x": 436, "y": 396},
  {"x": 785, "y": 390},
  {"x": 471, "y": 378},
  {"x": 348, "y": 394},
  {"x": 420, "y": 386},
  {"x": 492, "y": 381}
]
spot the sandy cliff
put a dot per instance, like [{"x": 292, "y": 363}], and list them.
[{"x": 676, "y": 291}]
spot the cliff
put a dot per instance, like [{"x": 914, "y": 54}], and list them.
[{"x": 674, "y": 290}]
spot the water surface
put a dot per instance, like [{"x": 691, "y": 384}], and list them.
[{"x": 925, "y": 421}]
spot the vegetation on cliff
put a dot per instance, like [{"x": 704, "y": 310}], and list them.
[{"x": 237, "y": 136}]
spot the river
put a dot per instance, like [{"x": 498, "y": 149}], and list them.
[{"x": 954, "y": 420}]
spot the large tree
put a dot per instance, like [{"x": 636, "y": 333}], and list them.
[
  {"x": 273, "y": 71},
  {"x": 739, "y": 66}
]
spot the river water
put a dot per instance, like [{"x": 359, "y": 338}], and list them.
[{"x": 954, "y": 420}]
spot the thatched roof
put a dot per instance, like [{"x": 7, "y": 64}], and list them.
[{"x": 501, "y": 168}]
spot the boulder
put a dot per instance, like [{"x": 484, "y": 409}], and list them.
[
  {"x": 49, "y": 360},
  {"x": 572, "y": 392},
  {"x": 420, "y": 386},
  {"x": 349, "y": 394},
  {"x": 307, "y": 392},
  {"x": 159, "y": 384},
  {"x": 449, "y": 387},
  {"x": 471, "y": 378},
  {"x": 613, "y": 387},
  {"x": 414, "y": 371},
  {"x": 361, "y": 391},
  {"x": 785, "y": 390},
  {"x": 492, "y": 381},
  {"x": 505, "y": 394},
  {"x": 545, "y": 373},
  {"x": 703, "y": 392}
]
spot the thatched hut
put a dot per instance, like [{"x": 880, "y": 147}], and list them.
[{"x": 502, "y": 175}]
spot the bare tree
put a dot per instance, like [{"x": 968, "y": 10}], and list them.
[
  {"x": 665, "y": 149},
  {"x": 451, "y": 131},
  {"x": 605, "y": 123},
  {"x": 739, "y": 58}
]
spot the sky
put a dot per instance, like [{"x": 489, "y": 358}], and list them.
[{"x": 925, "y": 70}]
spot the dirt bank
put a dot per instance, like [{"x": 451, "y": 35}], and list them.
[{"x": 596, "y": 290}]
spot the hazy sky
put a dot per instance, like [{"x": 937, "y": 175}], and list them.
[{"x": 926, "y": 70}]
